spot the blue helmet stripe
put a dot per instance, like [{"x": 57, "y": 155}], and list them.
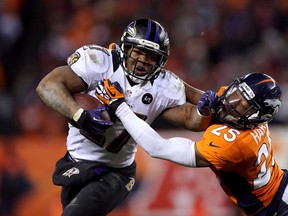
[
  {"x": 148, "y": 31},
  {"x": 156, "y": 38}
]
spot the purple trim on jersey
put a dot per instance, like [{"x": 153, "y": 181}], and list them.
[{"x": 148, "y": 32}]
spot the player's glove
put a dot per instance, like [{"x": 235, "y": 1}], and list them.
[
  {"x": 91, "y": 123},
  {"x": 109, "y": 93},
  {"x": 206, "y": 102}
]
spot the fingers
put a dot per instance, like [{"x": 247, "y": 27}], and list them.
[
  {"x": 101, "y": 92},
  {"x": 114, "y": 89},
  {"x": 105, "y": 123},
  {"x": 206, "y": 102},
  {"x": 101, "y": 108},
  {"x": 109, "y": 92},
  {"x": 97, "y": 117}
]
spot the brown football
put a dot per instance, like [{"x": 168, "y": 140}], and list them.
[{"x": 89, "y": 102}]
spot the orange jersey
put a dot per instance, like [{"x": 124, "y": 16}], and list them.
[{"x": 243, "y": 161}]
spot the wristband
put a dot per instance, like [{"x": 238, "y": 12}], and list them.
[
  {"x": 201, "y": 115},
  {"x": 77, "y": 115}
]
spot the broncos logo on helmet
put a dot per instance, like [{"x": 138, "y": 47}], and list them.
[{"x": 274, "y": 105}]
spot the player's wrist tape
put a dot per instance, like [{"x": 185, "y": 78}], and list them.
[
  {"x": 78, "y": 114},
  {"x": 202, "y": 115}
]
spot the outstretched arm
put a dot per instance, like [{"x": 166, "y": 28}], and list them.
[
  {"x": 193, "y": 94},
  {"x": 178, "y": 150},
  {"x": 187, "y": 115}
]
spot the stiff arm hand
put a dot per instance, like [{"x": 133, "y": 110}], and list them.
[{"x": 111, "y": 94}]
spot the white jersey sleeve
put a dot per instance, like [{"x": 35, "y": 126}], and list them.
[{"x": 91, "y": 63}]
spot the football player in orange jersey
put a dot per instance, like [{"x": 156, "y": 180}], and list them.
[{"x": 237, "y": 148}]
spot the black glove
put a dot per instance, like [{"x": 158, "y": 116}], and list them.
[{"x": 109, "y": 93}]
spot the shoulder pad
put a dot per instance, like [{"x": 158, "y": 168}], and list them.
[
  {"x": 173, "y": 86},
  {"x": 90, "y": 58}
]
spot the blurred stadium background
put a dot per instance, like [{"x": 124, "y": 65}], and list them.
[{"x": 212, "y": 42}]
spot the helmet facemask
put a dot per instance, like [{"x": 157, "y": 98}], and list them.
[
  {"x": 257, "y": 96},
  {"x": 152, "y": 39},
  {"x": 236, "y": 109},
  {"x": 134, "y": 66}
]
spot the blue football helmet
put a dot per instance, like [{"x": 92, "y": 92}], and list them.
[
  {"x": 149, "y": 35},
  {"x": 262, "y": 93}
]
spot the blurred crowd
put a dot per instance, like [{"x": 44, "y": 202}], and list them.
[{"x": 212, "y": 42}]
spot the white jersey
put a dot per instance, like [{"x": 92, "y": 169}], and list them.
[{"x": 93, "y": 63}]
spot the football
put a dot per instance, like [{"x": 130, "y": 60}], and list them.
[
  {"x": 89, "y": 102},
  {"x": 86, "y": 101}
]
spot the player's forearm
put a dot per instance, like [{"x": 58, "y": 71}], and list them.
[
  {"x": 187, "y": 116},
  {"x": 57, "y": 99},
  {"x": 178, "y": 150},
  {"x": 193, "y": 94},
  {"x": 56, "y": 96},
  {"x": 199, "y": 121}
]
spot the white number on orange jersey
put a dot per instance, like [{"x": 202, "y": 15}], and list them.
[
  {"x": 264, "y": 175},
  {"x": 229, "y": 136}
]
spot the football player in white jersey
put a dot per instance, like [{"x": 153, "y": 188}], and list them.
[{"x": 98, "y": 171}]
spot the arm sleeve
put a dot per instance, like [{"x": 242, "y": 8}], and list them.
[{"x": 176, "y": 149}]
